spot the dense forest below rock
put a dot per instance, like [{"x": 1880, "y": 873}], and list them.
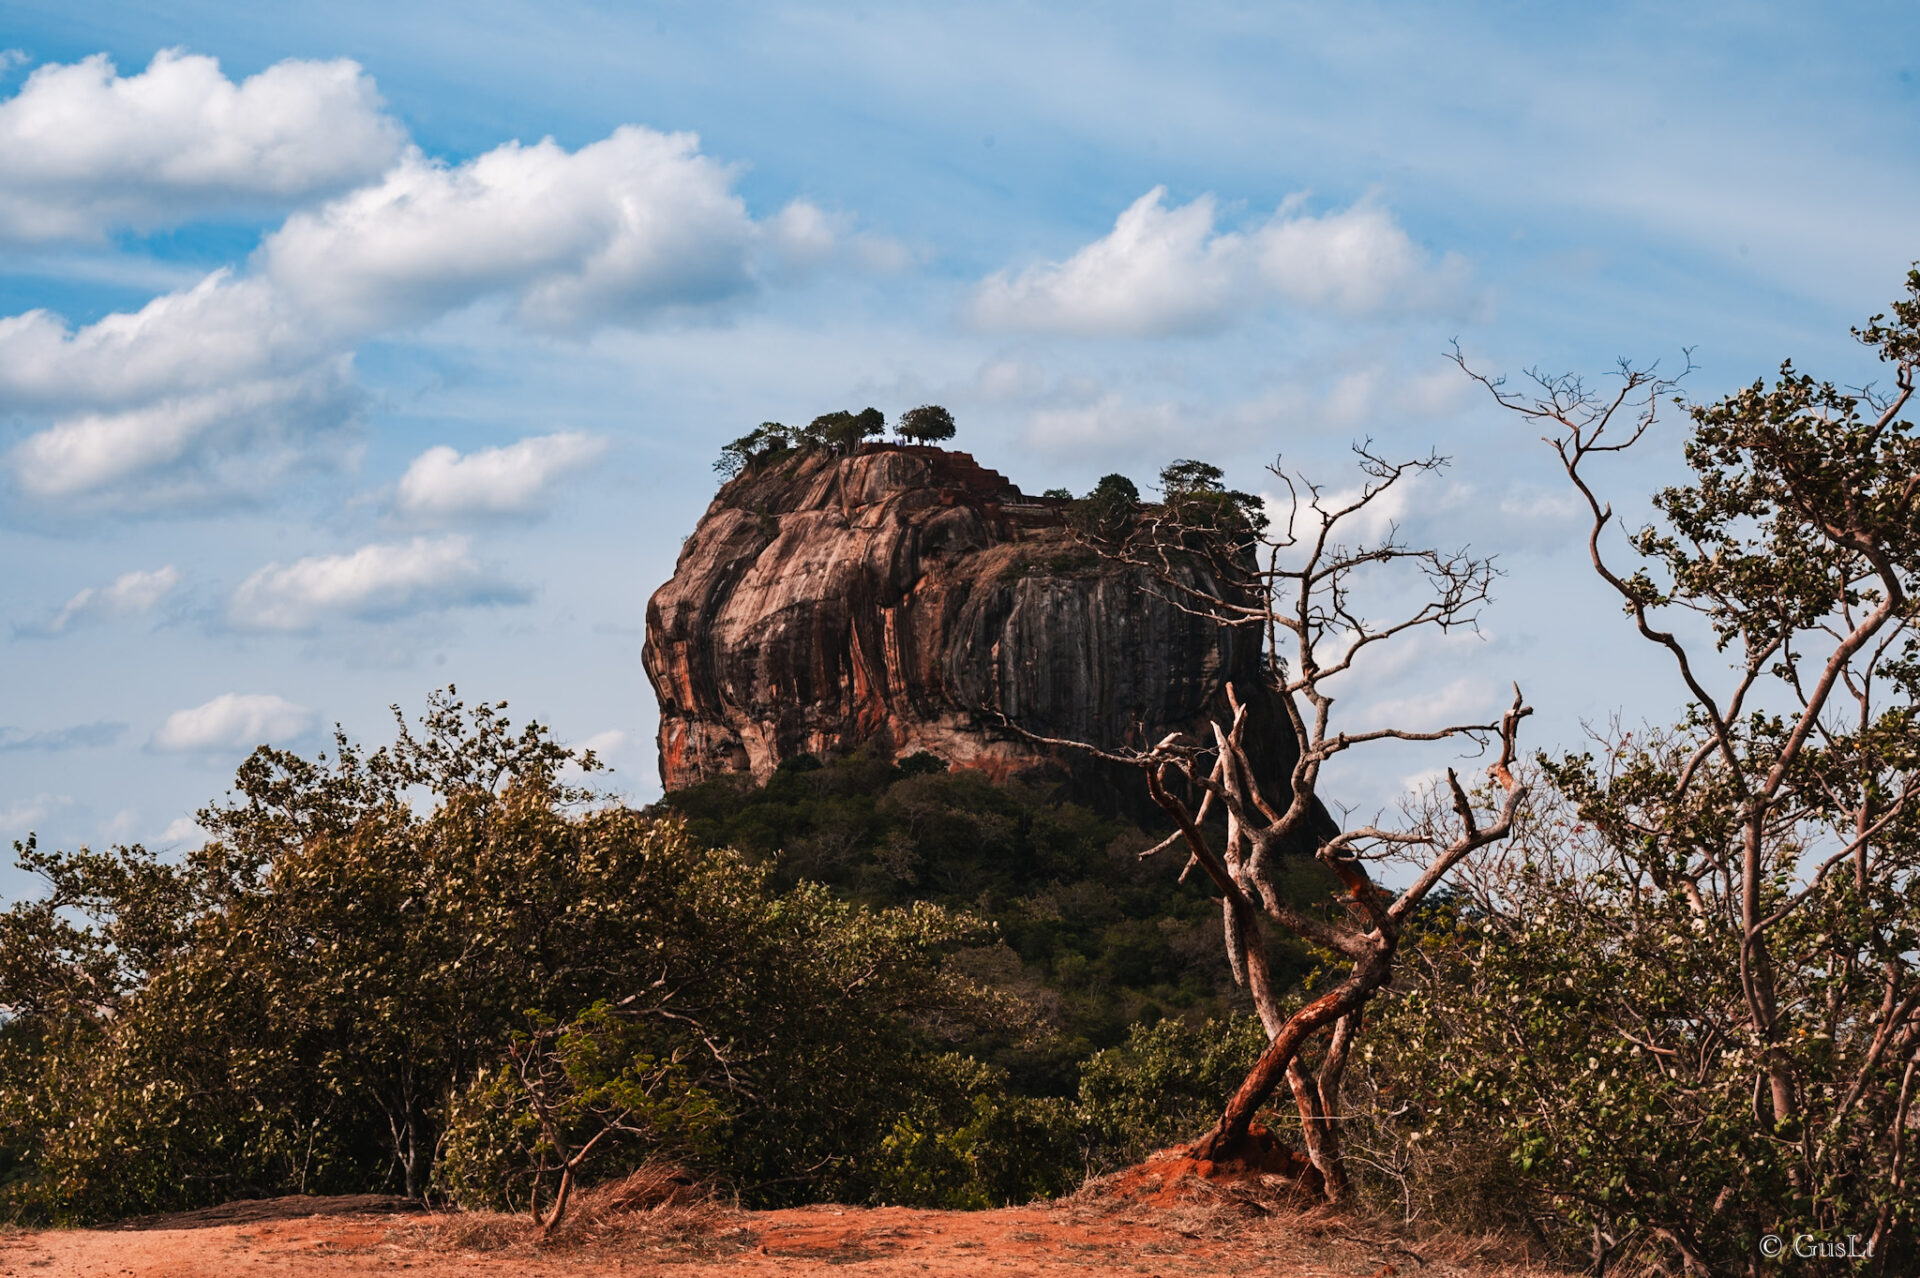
[{"x": 1094, "y": 938}]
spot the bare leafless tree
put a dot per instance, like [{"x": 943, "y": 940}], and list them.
[{"x": 1302, "y": 583}]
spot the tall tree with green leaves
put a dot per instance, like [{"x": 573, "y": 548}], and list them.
[{"x": 1768, "y": 842}]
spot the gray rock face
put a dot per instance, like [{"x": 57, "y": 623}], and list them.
[{"x": 905, "y": 599}]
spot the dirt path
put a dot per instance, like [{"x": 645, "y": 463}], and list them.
[{"x": 285, "y": 1238}]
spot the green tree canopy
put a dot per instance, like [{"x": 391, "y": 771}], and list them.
[
  {"x": 1709, "y": 934},
  {"x": 926, "y": 424},
  {"x": 1197, "y": 498},
  {"x": 764, "y": 442},
  {"x": 845, "y": 431},
  {"x": 1106, "y": 513},
  {"x": 302, "y": 1004}
]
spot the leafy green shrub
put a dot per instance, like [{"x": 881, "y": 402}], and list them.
[
  {"x": 921, "y": 763},
  {"x": 1691, "y": 1013},
  {"x": 844, "y": 431},
  {"x": 1164, "y": 1085},
  {"x": 486, "y": 1161},
  {"x": 579, "y": 1101},
  {"x": 1569, "y": 1063},
  {"x": 768, "y": 442},
  {"x": 1198, "y": 501},
  {"x": 1107, "y": 513},
  {"x": 331, "y": 988},
  {"x": 1066, "y": 563},
  {"x": 967, "y": 1142}
]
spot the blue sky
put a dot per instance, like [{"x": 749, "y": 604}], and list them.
[{"x": 351, "y": 350}]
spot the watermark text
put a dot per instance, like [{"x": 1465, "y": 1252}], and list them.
[{"x": 1816, "y": 1247}]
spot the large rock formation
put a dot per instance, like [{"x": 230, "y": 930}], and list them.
[{"x": 905, "y": 599}]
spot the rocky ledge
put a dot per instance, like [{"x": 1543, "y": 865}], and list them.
[{"x": 906, "y": 599}]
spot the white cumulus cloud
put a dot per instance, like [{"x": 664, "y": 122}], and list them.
[
  {"x": 127, "y": 595},
  {"x": 605, "y": 743},
  {"x": 234, "y": 721},
  {"x": 79, "y": 736},
  {"x": 85, "y": 150},
  {"x": 1463, "y": 700},
  {"x": 213, "y": 389},
  {"x": 224, "y": 385},
  {"x": 182, "y": 830},
  {"x": 207, "y": 337},
  {"x": 618, "y": 230},
  {"x": 378, "y": 581},
  {"x": 518, "y": 479},
  {"x": 172, "y": 450},
  {"x": 1169, "y": 270}
]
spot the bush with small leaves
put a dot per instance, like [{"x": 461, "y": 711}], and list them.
[
  {"x": 767, "y": 442},
  {"x": 304, "y": 1004},
  {"x": 927, "y": 424},
  {"x": 1107, "y": 513},
  {"x": 843, "y": 431}
]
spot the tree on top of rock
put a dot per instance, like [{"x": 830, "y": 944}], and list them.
[
  {"x": 1106, "y": 514},
  {"x": 768, "y": 439},
  {"x": 926, "y": 424},
  {"x": 843, "y": 431},
  {"x": 1197, "y": 499}
]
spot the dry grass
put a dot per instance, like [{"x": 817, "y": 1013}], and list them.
[
  {"x": 657, "y": 1209},
  {"x": 1269, "y": 1218}
]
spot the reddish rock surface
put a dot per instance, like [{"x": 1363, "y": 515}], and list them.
[{"x": 902, "y": 599}]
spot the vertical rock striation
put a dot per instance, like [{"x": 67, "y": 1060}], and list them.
[{"x": 902, "y": 599}]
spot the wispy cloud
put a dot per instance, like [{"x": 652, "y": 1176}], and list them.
[
  {"x": 128, "y": 595},
  {"x": 1462, "y": 700},
  {"x": 605, "y": 743},
  {"x": 234, "y": 721},
  {"x": 182, "y": 830},
  {"x": 80, "y": 736},
  {"x": 15, "y": 817},
  {"x": 375, "y": 582}
]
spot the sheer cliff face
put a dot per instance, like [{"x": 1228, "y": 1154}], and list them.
[{"x": 906, "y": 598}]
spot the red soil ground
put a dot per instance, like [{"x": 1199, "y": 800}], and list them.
[{"x": 1161, "y": 1218}]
